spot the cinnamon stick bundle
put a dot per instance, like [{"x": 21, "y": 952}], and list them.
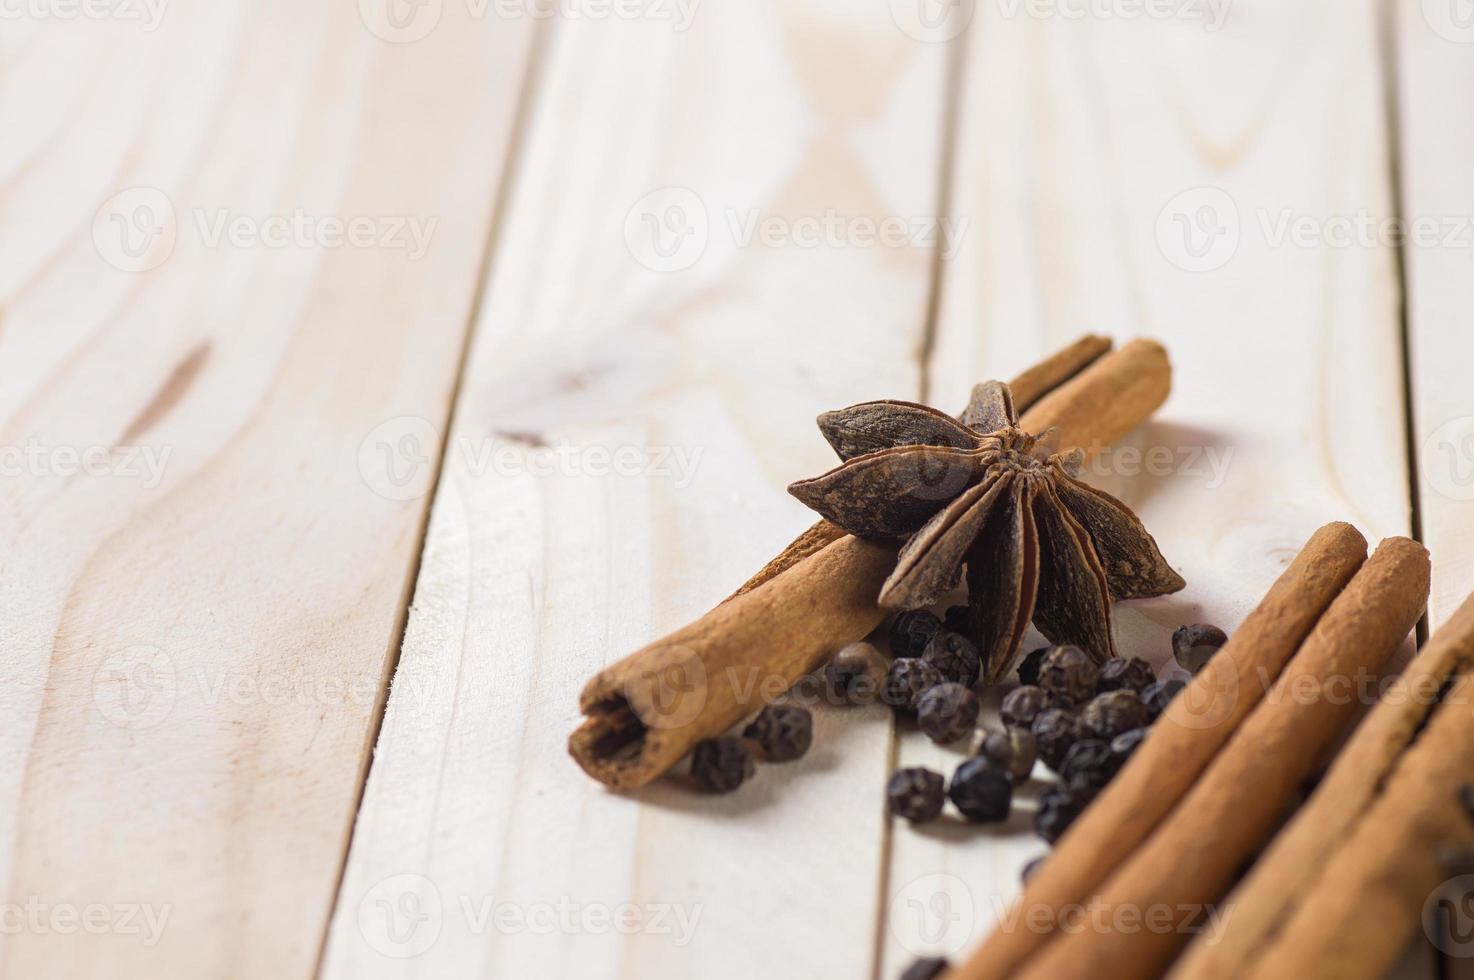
[
  {"x": 1199, "y": 721},
  {"x": 1264, "y": 901},
  {"x": 1147, "y": 910},
  {"x": 646, "y": 712},
  {"x": 1358, "y": 916}
]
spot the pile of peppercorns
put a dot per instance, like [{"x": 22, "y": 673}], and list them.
[{"x": 1082, "y": 720}]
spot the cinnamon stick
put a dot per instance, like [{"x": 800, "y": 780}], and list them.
[
  {"x": 1183, "y": 742},
  {"x": 1366, "y": 905},
  {"x": 646, "y": 712},
  {"x": 1147, "y": 910},
  {"x": 1264, "y": 901}
]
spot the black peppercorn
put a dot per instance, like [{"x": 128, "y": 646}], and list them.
[
  {"x": 928, "y": 968},
  {"x": 1057, "y": 810},
  {"x": 947, "y": 712},
  {"x": 905, "y": 682},
  {"x": 958, "y": 619},
  {"x": 720, "y": 765},
  {"x": 1028, "y": 668},
  {"x": 1133, "y": 674},
  {"x": 1124, "y": 744},
  {"x": 855, "y": 674},
  {"x": 915, "y": 794},
  {"x": 1158, "y": 695},
  {"x": 1055, "y": 730},
  {"x": 1194, "y": 646},
  {"x": 912, "y": 631},
  {"x": 955, "y": 656},
  {"x": 782, "y": 732},
  {"x": 1013, "y": 750},
  {"x": 1113, "y": 713},
  {"x": 1023, "y": 704},
  {"x": 1088, "y": 767},
  {"x": 1069, "y": 674},
  {"x": 982, "y": 791}
]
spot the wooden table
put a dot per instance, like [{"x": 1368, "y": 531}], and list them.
[{"x": 370, "y": 374}]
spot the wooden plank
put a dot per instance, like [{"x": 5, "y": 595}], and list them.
[
  {"x": 1081, "y": 143},
  {"x": 702, "y": 357},
  {"x": 197, "y": 636},
  {"x": 1435, "y": 61}
]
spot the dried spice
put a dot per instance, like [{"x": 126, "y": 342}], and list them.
[
  {"x": 1055, "y": 730},
  {"x": 927, "y": 968},
  {"x": 981, "y": 791},
  {"x": 911, "y": 631},
  {"x": 958, "y": 619},
  {"x": 1159, "y": 694},
  {"x": 720, "y": 765},
  {"x": 1023, "y": 704},
  {"x": 1193, "y": 646},
  {"x": 1132, "y": 674},
  {"x": 1013, "y": 750},
  {"x": 1088, "y": 767},
  {"x": 915, "y": 794},
  {"x": 1123, "y": 745},
  {"x": 1028, "y": 668},
  {"x": 856, "y": 673},
  {"x": 1113, "y": 713},
  {"x": 782, "y": 732},
  {"x": 1069, "y": 674},
  {"x": 1037, "y": 544},
  {"x": 905, "y": 682},
  {"x": 955, "y": 656},
  {"x": 947, "y": 712},
  {"x": 1057, "y": 810}
]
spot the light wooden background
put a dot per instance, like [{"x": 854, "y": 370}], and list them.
[{"x": 291, "y": 699}]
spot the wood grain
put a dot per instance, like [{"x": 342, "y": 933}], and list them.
[
  {"x": 196, "y": 652},
  {"x": 720, "y": 356},
  {"x": 1074, "y": 137},
  {"x": 1435, "y": 150}
]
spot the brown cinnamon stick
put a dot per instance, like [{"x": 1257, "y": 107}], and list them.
[
  {"x": 1182, "y": 744},
  {"x": 1165, "y": 888},
  {"x": 644, "y": 713},
  {"x": 1366, "y": 905},
  {"x": 1263, "y": 902}
]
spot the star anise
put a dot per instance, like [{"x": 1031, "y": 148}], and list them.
[{"x": 1037, "y": 543}]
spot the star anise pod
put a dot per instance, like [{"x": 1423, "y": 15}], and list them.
[{"x": 1037, "y": 543}]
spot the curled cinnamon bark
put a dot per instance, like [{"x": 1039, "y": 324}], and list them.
[
  {"x": 1152, "y": 905},
  {"x": 644, "y": 713},
  {"x": 1264, "y": 901},
  {"x": 1199, "y": 721},
  {"x": 1394, "y": 869}
]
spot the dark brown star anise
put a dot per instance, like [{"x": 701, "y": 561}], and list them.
[{"x": 1037, "y": 543}]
